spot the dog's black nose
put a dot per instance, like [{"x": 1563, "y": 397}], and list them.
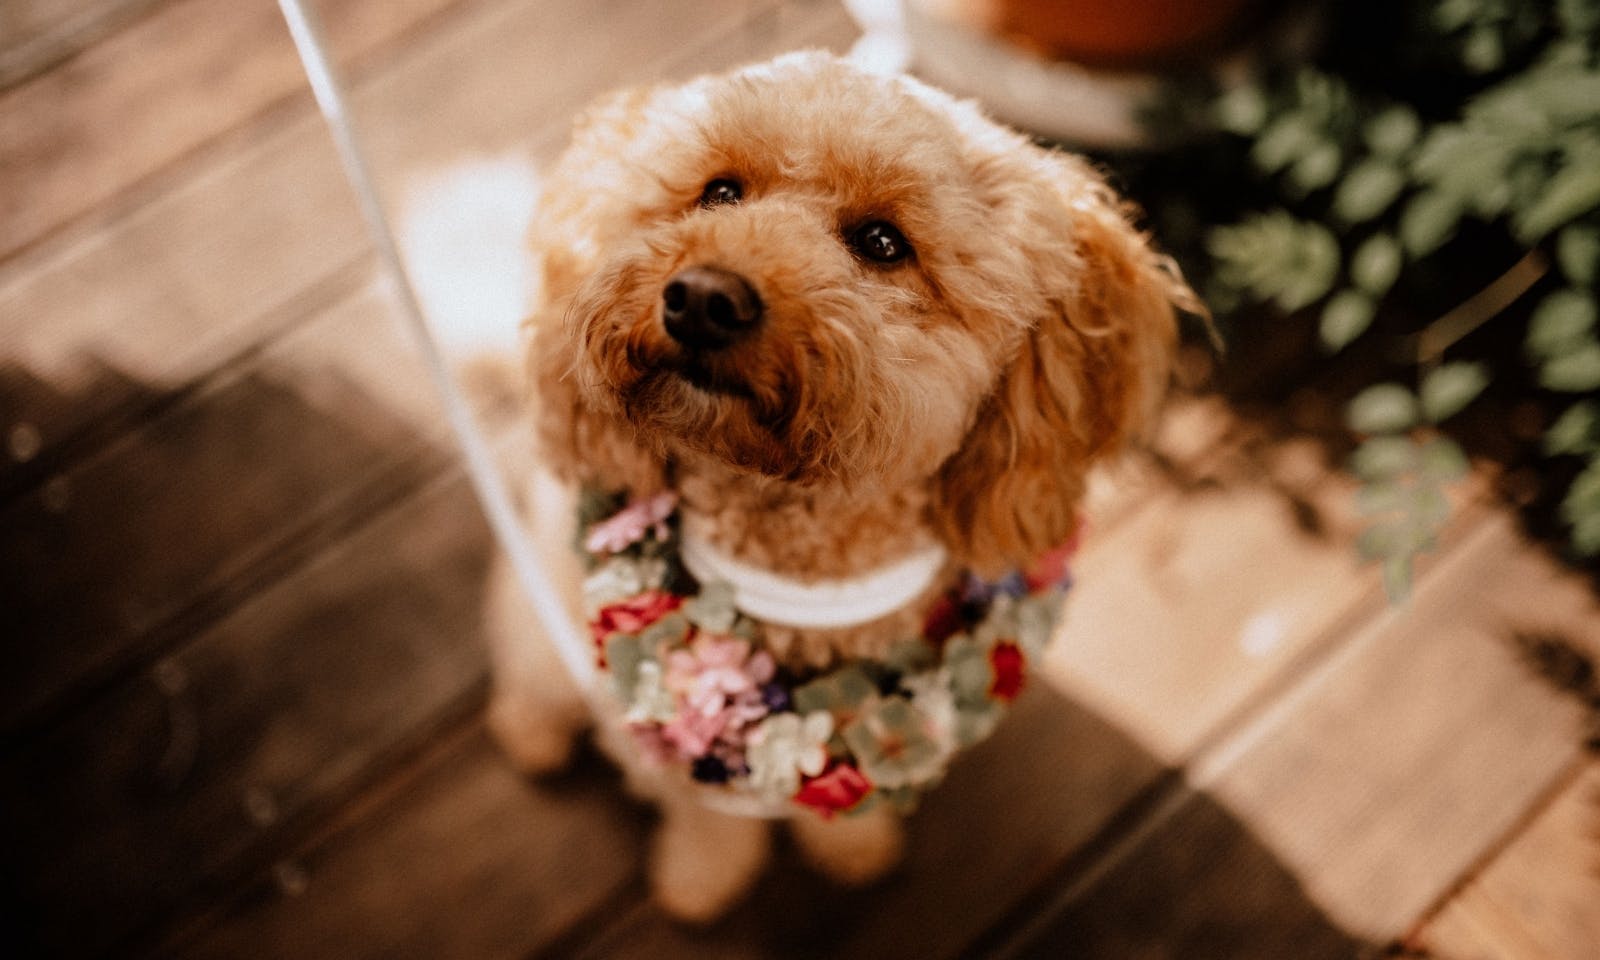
[{"x": 708, "y": 308}]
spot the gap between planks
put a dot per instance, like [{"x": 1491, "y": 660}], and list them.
[
  {"x": 382, "y": 787},
  {"x": 1223, "y": 744},
  {"x": 1553, "y": 794},
  {"x": 302, "y": 693},
  {"x": 344, "y": 509},
  {"x": 100, "y": 435},
  {"x": 55, "y": 37},
  {"x": 196, "y": 121}
]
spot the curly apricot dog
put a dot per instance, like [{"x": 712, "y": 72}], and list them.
[{"x": 826, "y": 356}]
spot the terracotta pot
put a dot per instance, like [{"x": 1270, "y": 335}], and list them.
[{"x": 1116, "y": 33}]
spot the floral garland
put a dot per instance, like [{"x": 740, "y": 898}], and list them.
[{"x": 698, "y": 690}]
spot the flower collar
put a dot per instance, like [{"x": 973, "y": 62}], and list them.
[{"x": 699, "y": 691}]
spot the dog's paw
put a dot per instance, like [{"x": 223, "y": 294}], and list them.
[
  {"x": 850, "y": 850},
  {"x": 536, "y": 742},
  {"x": 704, "y": 862}
]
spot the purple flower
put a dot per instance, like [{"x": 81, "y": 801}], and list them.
[
  {"x": 1013, "y": 584},
  {"x": 975, "y": 591},
  {"x": 776, "y": 697},
  {"x": 709, "y": 770}
]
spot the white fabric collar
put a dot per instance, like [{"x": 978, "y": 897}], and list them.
[{"x": 786, "y": 601}]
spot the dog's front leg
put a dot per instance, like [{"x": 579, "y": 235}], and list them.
[
  {"x": 703, "y": 861},
  {"x": 853, "y": 850}
]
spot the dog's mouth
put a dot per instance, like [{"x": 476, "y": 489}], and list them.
[{"x": 710, "y": 379}]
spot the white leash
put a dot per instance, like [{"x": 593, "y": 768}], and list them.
[{"x": 531, "y": 572}]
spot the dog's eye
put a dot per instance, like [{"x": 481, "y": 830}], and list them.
[
  {"x": 721, "y": 190},
  {"x": 880, "y": 242}
]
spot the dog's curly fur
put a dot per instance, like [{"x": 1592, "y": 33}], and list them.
[{"x": 959, "y": 394}]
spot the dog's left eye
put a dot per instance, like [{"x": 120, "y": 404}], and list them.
[
  {"x": 880, "y": 242},
  {"x": 721, "y": 190}
]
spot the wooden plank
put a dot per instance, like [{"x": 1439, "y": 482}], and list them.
[
  {"x": 1190, "y": 429},
  {"x": 166, "y": 291},
  {"x": 1359, "y": 796},
  {"x": 72, "y": 140},
  {"x": 183, "y": 774},
  {"x": 1391, "y": 769},
  {"x": 468, "y": 861},
  {"x": 1202, "y": 598},
  {"x": 37, "y": 408},
  {"x": 1540, "y": 898},
  {"x": 37, "y": 34},
  {"x": 1200, "y": 887},
  {"x": 176, "y": 522}
]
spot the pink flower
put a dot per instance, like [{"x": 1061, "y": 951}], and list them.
[
  {"x": 715, "y": 669},
  {"x": 746, "y": 708},
  {"x": 839, "y": 787},
  {"x": 629, "y": 525},
  {"x": 718, "y": 685},
  {"x": 693, "y": 732}
]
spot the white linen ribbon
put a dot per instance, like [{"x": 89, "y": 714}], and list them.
[{"x": 786, "y": 601}]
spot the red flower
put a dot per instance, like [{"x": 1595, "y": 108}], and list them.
[
  {"x": 1009, "y": 666},
  {"x": 943, "y": 620},
  {"x": 839, "y": 787},
  {"x": 632, "y": 615}
]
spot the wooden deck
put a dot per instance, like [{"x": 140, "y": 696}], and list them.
[{"x": 240, "y": 575}]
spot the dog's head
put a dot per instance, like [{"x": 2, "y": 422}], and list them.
[{"x": 827, "y": 277}]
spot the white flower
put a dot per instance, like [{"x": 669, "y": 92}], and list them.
[
  {"x": 930, "y": 694},
  {"x": 895, "y": 745},
  {"x": 614, "y": 580},
  {"x": 618, "y": 579},
  {"x": 1036, "y": 622},
  {"x": 785, "y": 746}
]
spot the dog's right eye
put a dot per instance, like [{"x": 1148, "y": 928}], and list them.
[
  {"x": 880, "y": 242},
  {"x": 720, "y": 191}
]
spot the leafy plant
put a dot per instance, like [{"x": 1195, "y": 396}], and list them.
[
  {"x": 1405, "y": 465},
  {"x": 1373, "y": 185}
]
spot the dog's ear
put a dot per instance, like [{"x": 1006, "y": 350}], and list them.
[
  {"x": 590, "y": 197},
  {"x": 1087, "y": 376}
]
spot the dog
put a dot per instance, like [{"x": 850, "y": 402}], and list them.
[{"x": 823, "y": 359}]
